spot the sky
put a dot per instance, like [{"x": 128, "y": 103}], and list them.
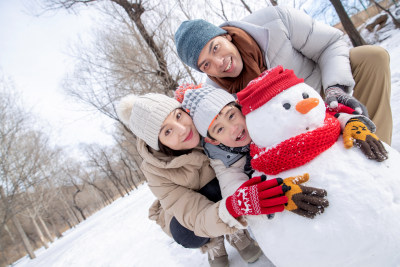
[
  {"x": 122, "y": 235},
  {"x": 34, "y": 53}
]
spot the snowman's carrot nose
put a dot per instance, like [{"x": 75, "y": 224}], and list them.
[{"x": 304, "y": 106}]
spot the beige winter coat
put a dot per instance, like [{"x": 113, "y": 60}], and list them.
[{"x": 174, "y": 181}]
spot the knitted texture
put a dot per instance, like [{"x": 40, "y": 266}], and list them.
[
  {"x": 181, "y": 90},
  {"x": 146, "y": 114},
  {"x": 262, "y": 89},
  {"x": 245, "y": 202},
  {"x": 191, "y": 37},
  {"x": 297, "y": 150},
  {"x": 356, "y": 130},
  {"x": 204, "y": 104},
  {"x": 304, "y": 200},
  {"x": 257, "y": 196},
  {"x": 293, "y": 182}
]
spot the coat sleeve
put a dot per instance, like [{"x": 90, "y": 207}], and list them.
[
  {"x": 345, "y": 117},
  {"x": 229, "y": 178},
  {"x": 321, "y": 43},
  {"x": 192, "y": 210}
]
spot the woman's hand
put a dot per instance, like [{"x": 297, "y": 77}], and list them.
[{"x": 258, "y": 196}]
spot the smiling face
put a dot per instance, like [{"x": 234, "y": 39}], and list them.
[
  {"x": 229, "y": 128},
  {"x": 178, "y": 131},
  {"x": 292, "y": 112},
  {"x": 220, "y": 58}
]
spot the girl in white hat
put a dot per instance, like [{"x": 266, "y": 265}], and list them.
[{"x": 189, "y": 205}]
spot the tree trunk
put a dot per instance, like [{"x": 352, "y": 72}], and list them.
[
  {"x": 54, "y": 227},
  {"x": 70, "y": 213},
  {"x": 24, "y": 238},
  {"x": 134, "y": 11},
  {"x": 3, "y": 257},
  {"x": 246, "y": 6},
  {"x": 396, "y": 22},
  {"x": 348, "y": 25},
  {"x": 105, "y": 198},
  {"x": 39, "y": 232},
  {"x": 21, "y": 231},
  {"x": 10, "y": 234},
  {"x": 45, "y": 228},
  {"x": 76, "y": 204}
]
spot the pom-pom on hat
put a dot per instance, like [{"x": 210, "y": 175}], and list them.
[
  {"x": 204, "y": 104},
  {"x": 262, "y": 89},
  {"x": 145, "y": 114},
  {"x": 191, "y": 37}
]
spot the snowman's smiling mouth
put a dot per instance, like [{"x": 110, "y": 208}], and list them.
[{"x": 241, "y": 136}]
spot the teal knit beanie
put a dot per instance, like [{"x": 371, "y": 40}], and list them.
[{"x": 191, "y": 37}]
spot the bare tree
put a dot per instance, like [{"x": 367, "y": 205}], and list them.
[
  {"x": 348, "y": 25},
  {"x": 107, "y": 162},
  {"x": 73, "y": 173},
  {"x": 15, "y": 165},
  {"x": 396, "y": 22},
  {"x": 94, "y": 179},
  {"x": 274, "y": 2}
]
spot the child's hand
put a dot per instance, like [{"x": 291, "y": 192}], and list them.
[
  {"x": 304, "y": 200},
  {"x": 257, "y": 196},
  {"x": 357, "y": 132}
]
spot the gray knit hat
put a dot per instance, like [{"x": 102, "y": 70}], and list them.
[
  {"x": 145, "y": 114},
  {"x": 191, "y": 37},
  {"x": 204, "y": 104}
]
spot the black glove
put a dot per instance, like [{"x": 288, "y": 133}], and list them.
[{"x": 335, "y": 94}]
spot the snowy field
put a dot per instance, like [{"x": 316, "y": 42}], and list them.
[{"x": 122, "y": 235}]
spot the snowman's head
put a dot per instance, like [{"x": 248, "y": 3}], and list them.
[{"x": 290, "y": 112}]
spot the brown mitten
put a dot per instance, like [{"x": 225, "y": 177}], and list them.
[
  {"x": 357, "y": 132},
  {"x": 304, "y": 200}
]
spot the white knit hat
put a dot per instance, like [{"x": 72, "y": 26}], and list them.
[
  {"x": 204, "y": 104},
  {"x": 145, "y": 114}
]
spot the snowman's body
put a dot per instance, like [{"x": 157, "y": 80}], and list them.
[{"x": 361, "y": 226}]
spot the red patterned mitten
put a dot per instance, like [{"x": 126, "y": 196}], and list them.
[{"x": 257, "y": 196}]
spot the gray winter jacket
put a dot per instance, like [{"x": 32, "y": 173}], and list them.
[{"x": 288, "y": 37}]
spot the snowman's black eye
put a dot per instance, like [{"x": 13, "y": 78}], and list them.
[
  {"x": 305, "y": 95},
  {"x": 286, "y": 106}
]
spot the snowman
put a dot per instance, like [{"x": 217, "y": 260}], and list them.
[{"x": 292, "y": 134}]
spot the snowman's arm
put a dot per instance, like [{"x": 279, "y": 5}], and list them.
[
  {"x": 345, "y": 117},
  {"x": 229, "y": 178}
]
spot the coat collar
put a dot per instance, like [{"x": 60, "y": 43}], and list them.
[{"x": 259, "y": 33}]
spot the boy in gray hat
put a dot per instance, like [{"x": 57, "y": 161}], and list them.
[
  {"x": 238, "y": 51},
  {"x": 219, "y": 120}
]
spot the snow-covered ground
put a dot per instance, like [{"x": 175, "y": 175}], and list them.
[{"x": 122, "y": 235}]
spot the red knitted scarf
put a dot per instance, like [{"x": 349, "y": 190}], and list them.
[{"x": 297, "y": 150}]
